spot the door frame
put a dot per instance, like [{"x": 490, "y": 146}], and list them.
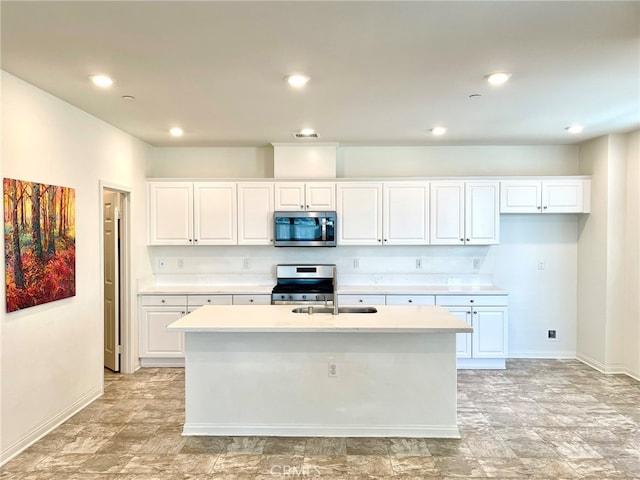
[{"x": 127, "y": 352}]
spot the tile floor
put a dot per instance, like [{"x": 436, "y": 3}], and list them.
[{"x": 539, "y": 419}]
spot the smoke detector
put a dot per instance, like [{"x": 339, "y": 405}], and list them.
[{"x": 306, "y": 133}]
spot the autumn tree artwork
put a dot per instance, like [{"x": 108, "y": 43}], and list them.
[{"x": 39, "y": 243}]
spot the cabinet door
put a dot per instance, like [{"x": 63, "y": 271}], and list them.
[
  {"x": 406, "y": 213},
  {"x": 410, "y": 300},
  {"x": 463, "y": 340},
  {"x": 562, "y": 196},
  {"x": 447, "y": 213},
  {"x": 252, "y": 299},
  {"x": 155, "y": 339},
  {"x": 289, "y": 196},
  {"x": 361, "y": 300},
  {"x": 170, "y": 213},
  {"x": 520, "y": 196},
  {"x": 255, "y": 213},
  {"x": 359, "y": 214},
  {"x": 482, "y": 213},
  {"x": 320, "y": 196},
  {"x": 490, "y": 332},
  {"x": 215, "y": 213}
]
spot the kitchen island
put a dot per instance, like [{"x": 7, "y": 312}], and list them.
[{"x": 264, "y": 370}]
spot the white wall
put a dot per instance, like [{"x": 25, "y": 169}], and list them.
[
  {"x": 608, "y": 253},
  {"x": 631, "y": 281},
  {"x": 52, "y": 355}
]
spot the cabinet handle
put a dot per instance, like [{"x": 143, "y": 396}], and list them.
[
  {"x": 190, "y": 240},
  {"x": 195, "y": 240},
  {"x": 307, "y": 207},
  {"x": 360, "y": 300},
  {"x": 475, "y": 313},
  {"x": 301, "y": 207},
  {"x": 539, "y": 207},
  {"x": 208, "y": 300},
  {"x": 468, "y": 239},
  {"x": 468, "y": 313},
  {"x": 471, "y": 301},
  {"x": 163, "y": 300},
  {"x": 182, "y": 313},
  {"x": 251, "y": 300},
  {"x": 379, "y": 240},
  {"x": 545, "y": 207},
  {"x": 410, "y": 301},
  {"x": 462, "y": 239}
]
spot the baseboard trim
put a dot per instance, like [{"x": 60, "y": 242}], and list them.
[
  {"x": 161, "y": 362},
  {"x": 615, "y": 369},
  {"x": 37, "y": 433},
  {"x": 413, "y": 431},
  {"x": 543, "y": 354}
]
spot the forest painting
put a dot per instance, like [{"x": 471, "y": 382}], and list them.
[{"x": 39, "y": 243}]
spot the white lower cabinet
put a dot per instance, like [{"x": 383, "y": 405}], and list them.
[
  {"x": 487, "y": 346},
  {"x": 252, "y": 300},
  {"x": 361, "y": 300},
  {"x": 159, "y": 347}
]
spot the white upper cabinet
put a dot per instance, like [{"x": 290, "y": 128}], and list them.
[
  {"x": 170, "y": 211},
  {"x": 406, "y": 213},
  {"x": 185, "y": 213},
  {"x": 464, "y": 213},
  {"x": 215, "y": 219},
  {"x": 294, "y": 196},
  {"x": 359, "y": 213},
  {"x": 255, "y": 213},
  {"x": 570, "y": 195}
]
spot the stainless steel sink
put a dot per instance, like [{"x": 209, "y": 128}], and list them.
[{"x": 311, "y": 310}]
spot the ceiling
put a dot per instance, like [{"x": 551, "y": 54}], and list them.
[{"x": 382, "y": 73}]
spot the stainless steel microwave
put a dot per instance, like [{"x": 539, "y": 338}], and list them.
[{"x": 304, "y": 229}]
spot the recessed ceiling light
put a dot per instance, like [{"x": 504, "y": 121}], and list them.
[
  {"x": 498, "y": 78},
  {"x": 438, "y": 131},
  {"x": 574, "y": 129},
  {"x": 297, "y": 80},
  {"x": 176, "y": 132},
  {"x": 103, "y": 81}
]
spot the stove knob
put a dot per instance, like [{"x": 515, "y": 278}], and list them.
[
  {"x": 282, "y": 297},
  {"x": 304, "y": 297},
  {"x": 317, "y": 297}
]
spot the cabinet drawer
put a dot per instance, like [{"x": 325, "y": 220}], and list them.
[
  {"x": 252, "y": 299},
  {"x": 361, "y": 300},
  {"x": 163, "y": 300},
  {"x": 200, "y": 300},
  {"x": 411, "y": 300},
  {"x": 478, "y": 300}
]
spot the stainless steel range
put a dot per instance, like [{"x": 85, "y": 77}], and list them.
[{"x": 304, "y": 284}]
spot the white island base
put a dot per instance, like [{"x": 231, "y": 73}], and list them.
[{"x": 392, "y": 379}]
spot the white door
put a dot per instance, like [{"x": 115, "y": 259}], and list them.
[
  {"x": 406, "y": 213},
  {"x": 562, "y": 196},
  {"x": 320, "y": 196},
  {"x": 520, "y": 196},
  {"x": 447, "y": 213},
  {"x": 255, "y": 213},
  {"x": 490, "y": 332},
  {"x": 170, "y": 213},
  {"x": 289, "y": 196},
  {"x": 215, "y": 213},
  {"x": 482, "y": 213},
  {"x": 359, "y": 214},
  {"x": 111, "y": 279}
]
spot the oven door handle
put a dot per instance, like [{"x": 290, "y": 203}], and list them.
[{"x": 324, "y": 229}]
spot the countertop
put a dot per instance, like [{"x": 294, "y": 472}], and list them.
[
  {"x": 342, "y": 290},
  {"x": 281, "y": 319}
]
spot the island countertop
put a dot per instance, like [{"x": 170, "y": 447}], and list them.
[{"x": 281, "y": 319}]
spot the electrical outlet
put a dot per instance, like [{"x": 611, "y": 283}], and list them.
[
  {"x": 180, "y": 263},
  {"x": 162, "y": 264},
  {"x": 418, "y": 263},
  {"x": 245, "y": 263},
  {"x": 541, "y": 265},
  {"x": 356, "y": 263},
  {"x": 552, "y": 335},
  {"x": 476, "y": 264},
  {"x": 333, "y": 368}
]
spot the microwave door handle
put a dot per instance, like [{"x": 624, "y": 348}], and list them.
[{"x": 324, "y": 229}]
